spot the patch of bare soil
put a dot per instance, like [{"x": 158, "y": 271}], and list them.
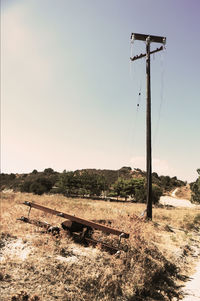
[
  {"x": 172, "y": 201},
  {"x": 192, "y": 288},
  {"x": 29, "y": 273},
  {"x": 184, "y": 192}
]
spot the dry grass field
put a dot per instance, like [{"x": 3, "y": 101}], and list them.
[{"x": 38, "y": 266}]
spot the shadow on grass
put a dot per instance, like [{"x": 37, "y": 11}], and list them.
[{"x": 162, "y": 286}]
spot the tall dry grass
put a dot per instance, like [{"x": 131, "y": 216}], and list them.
[{"x": 58, "y": 269}]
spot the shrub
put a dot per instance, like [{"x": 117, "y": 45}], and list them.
[
  {"x": 195, "y": 187},
  {"x": 37, "y": 185},
  {"x": 156, "y": 193},
  {"x": 25, "y": 187},
  {"x": 37, "y": 188}
]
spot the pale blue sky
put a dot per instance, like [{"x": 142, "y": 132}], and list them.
[{"x": 69, "y": 92}]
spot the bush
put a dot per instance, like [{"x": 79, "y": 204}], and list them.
[
  {"x": 48, "y": 171},
  {"x": 25, "y": 187},
  {"x": 37, "y": 188},
  {"x": 156, "y": 193},
  {"x": 195, "y": 187},
  {"x": 37, "y": 185}
]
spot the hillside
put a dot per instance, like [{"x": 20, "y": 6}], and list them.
[
  {"x": 184, "y": 192},
  {"x": 83, "y": 182}
]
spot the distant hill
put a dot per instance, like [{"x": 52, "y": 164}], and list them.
[
  {"x": 112, "y": 175},
  {"x": 166, "y": 182},
  {"x": 45, "y": 181}
]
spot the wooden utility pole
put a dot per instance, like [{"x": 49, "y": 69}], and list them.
[{"x": 148, "y": 39}]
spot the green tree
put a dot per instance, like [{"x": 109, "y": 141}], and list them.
[
  {"x": 195, "y": 187},
  {"x": 119, "y": 188},
  {"x": 25, "y": 187},
  {"x": 48, "y": 171},
  {"x": 37, "y": 184},
  {"x": 66, "y": 183},
  {"x": 37, "y": 188},
  {"x": 133, "y": 187},
  {"x": 140, "y": 192},
  {"x": 93, "y": 183},
  {"x": 156, "y": 193}
]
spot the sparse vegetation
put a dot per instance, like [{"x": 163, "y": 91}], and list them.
[
  {"x": 124, "y": 183},
  {"x": 55, "y": 268},
  {"x": 195, "y": 187},
  {"x": 184, "y": 192}
]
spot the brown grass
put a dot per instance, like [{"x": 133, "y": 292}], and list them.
[{"x": 50, "y": 268}]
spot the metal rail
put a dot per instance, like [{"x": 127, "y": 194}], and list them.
[{"x": 78, "y": 220}]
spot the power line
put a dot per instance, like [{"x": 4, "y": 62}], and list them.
[{"x": 161, "y": 99}]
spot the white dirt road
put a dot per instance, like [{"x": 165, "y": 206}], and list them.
[
  {"x": 192, "y": 288},
  {"x": 172, "y": 201},
  {"x": 176, "y": 202}
]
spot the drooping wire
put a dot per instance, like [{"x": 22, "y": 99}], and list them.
[
  {"x": 161, "y": 98},
  {"x": 137, "y": 109},
  {"x": 135, "y": 129},
  {"x": 138, "y": 103},
  {"x": 130, "y": 62}
]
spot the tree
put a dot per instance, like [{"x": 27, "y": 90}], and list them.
[
  {"x": 195, "y": 187},
  {"x": 48, "y": 171},
  {"x": 37, "y": 188},
  {"x": 66, "y": 183},
  {"x": 140, "y": 191},
  {"x": 37, "y": 184},
  {"x": 25, "y": 187},
  {"x": 92, "y": 183},
  {"x": 120, "y": 188},
  {"x": 133, "y": 187},
  {"x": 156, "y": 193}
]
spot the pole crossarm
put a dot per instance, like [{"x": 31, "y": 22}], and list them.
[
  {"x": 143, "y": 37},
  {"x": 144, "y": 54}
]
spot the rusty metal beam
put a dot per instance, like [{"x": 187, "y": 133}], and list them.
[{"x": 78, "y": 220}]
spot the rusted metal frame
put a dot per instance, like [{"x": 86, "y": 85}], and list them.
[
  {"x": 34, "y": 222},
  {"x": 144, "y": 54},
  {"x": 78, "y": 220}
]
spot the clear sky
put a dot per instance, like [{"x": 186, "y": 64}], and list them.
[{"x": 69, "y": 93}]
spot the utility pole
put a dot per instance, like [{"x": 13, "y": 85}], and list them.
[{"x": 148, "y": 39}]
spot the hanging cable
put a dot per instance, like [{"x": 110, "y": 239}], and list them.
[
  {"x": 131, "y": 55},
  {"x": 137, "y": 109},
  {"x": 161, "y": 97}
]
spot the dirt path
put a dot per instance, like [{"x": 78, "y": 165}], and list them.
[
  {"x": 176, "y": 202},
  {"x": 174, "y": 192},
  {"x": 169, "y": 200},
  {"x": 192, "y": 288}
]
